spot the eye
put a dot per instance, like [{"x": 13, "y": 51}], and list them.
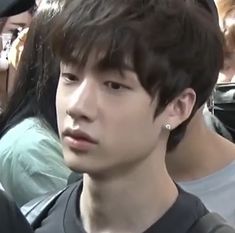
[
  {"x": 68, "y": 77},
  {"x": 115, "y": 85}
]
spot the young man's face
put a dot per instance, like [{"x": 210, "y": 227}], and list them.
[{"x": 105, "y": 120}]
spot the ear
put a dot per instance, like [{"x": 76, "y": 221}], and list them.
[{"x": 179, "y": 109}]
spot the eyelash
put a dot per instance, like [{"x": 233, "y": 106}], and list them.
[
  {"x": 70, "y": 78},
  {"x": 121, "y": 86}
]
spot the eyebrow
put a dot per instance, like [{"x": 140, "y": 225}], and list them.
[
  {"x": 104, "y": 64},
  {"x": 97, "y": 68}
]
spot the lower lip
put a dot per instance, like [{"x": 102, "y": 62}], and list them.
[{"x": 80, "y": 145}]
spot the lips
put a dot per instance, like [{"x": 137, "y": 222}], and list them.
[{"x": 79, "y": 140}]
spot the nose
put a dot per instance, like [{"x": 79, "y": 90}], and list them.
[{"x": 83, "y": 103}]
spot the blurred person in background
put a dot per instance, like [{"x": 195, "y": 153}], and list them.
[
  {"x": 4, "y": 65},
  {"x": 15, "y": 22},
  {"x": 226, "y": 10},
  {"x": 13, "y": 35},
  {"x": 31, "y": 161},
  {"x": 204, "y": 164},
  {"x": 223, "y": 100},
  {"x": 12, "y": 220}
]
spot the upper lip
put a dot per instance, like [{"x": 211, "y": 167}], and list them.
[{"x": 79, "y": 134}]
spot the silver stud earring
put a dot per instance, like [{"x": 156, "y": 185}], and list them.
[{"x": 168, "y": 127}]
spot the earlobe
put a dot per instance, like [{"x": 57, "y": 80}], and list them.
[{"x": 181, "y": 107}]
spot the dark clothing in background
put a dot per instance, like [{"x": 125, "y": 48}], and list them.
[
  {"x": 11, "y": 219},
  {"x": 13, "y": 7},
  {"x": 224, "y": 106}
]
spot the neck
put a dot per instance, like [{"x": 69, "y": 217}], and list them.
[
  {"x": 201, "y": 153},
  {"x": 127, "y": 203}
]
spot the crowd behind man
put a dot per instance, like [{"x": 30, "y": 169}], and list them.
[{"x": 118, "y": 89}]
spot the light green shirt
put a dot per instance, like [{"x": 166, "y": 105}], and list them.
[{"x": 31, "y": 161}]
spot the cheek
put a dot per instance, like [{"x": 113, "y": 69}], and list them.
[
  {"x": 134, "y": 131},
  {"x": 60, "y": 108}
]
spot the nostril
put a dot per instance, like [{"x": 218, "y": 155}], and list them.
[{"x": 77, "y": 115}]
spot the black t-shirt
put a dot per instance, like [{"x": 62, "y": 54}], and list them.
[
  {"x": 11, "y": 219},
  {"x": 65, "y": 218}
]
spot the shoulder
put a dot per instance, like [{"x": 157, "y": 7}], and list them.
[
  {"x": 29, "y": 137},
  {"x": 189, "y": 205},
  {"x": 20, "y": 131},
  {"x": 29, "y": 134}
]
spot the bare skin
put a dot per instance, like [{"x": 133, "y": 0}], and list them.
[{"x": 126, "y": 186}]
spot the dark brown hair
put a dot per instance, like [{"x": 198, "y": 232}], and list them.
[{"x": 172, "y": 44}]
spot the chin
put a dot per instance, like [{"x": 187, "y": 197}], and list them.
[
  {"x": 82, "y": 163},
  {"x": 75, "y": 165}
]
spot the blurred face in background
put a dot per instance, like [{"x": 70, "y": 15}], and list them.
[
  {"x": 226, "y": 9},
  {"x": 22, "y": 20},
  {"x": 227, "y": 74}
]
